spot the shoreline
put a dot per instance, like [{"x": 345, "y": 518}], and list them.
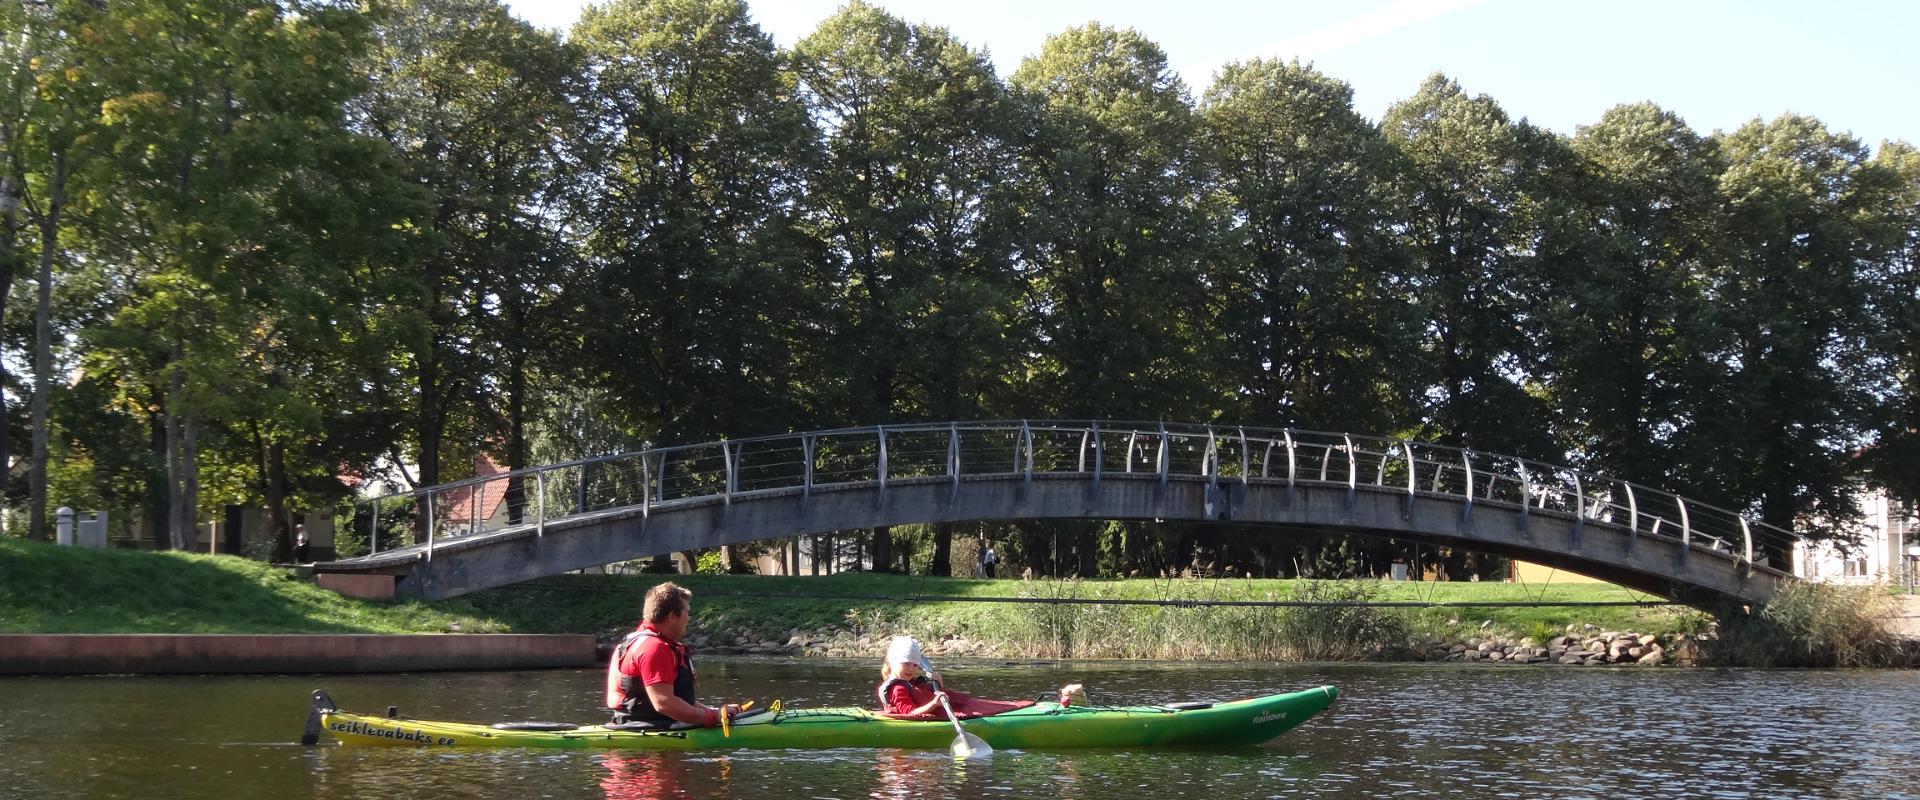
[{"x": 286, "y": 654}]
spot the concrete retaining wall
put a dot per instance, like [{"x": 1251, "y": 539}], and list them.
[{"x": 199, "y": 654}]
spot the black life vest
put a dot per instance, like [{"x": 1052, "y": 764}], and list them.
[{"x": 638, "y": 707}]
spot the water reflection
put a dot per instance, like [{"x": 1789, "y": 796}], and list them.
[
  {"x": 1397, "y": 732},
  {"x": 641, "y": 777}
]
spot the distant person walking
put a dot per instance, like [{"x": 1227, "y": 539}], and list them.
[{"x": 988, "y": 560}]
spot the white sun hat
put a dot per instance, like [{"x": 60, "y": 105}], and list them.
[{"x": 903, "y": 650}]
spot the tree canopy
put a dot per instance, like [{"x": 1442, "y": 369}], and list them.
[{"x": 262, "y": 251}]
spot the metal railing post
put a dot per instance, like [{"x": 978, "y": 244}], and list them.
[
  {"x": 1526, "y": 493},
  {"x": 806, "y": 485},
  {"x": 1164, "y": 460},
  {"x": 1099, "y": 459},
  {"x": 1579, "y": 510},
  {"x": 1746, "y": 536},
  {"x": 1293, "y": 465},
  {"x": 1246, "y": 459},
  {"x": 1210, "y": 467},
  {"x": 1633, "y": 518},
  {"x": 373, "y": 536},
  {"x": 880, "y": 500},
  {"x": 953, "y": 462},
  {"x": 1686, "y": 531},
  {"x": 580, "y": 506},
  {"x": 539, "y": 504},
  {"x": 1026, "y": 442},
  {"x": 1353, "y": 471},
  {"x": 1466, "y": 463},
  {"x": 1407, "y": 513},
  {"x": 646, "y": 489},
  {"x": 430, "y": 526},
  {"x": 726, "y": 455}
]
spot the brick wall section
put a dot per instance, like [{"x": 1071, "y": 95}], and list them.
[
  {"x": 194, "y": 654},
  {"x": 371, "y": 587}
]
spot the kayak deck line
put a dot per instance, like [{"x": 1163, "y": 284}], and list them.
[{"x": 1044, "y": 725}]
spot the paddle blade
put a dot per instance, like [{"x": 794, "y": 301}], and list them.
[{"x": 967, "y": 745}]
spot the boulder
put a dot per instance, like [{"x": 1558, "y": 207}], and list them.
[{"x": 1651, "y": 659}]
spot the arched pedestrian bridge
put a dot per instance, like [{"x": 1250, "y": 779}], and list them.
[{"x": 501, "y": 529}]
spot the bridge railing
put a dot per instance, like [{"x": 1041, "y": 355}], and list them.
[{"x": 878, "y": 456}]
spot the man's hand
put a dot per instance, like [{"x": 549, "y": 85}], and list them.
[{"x": 730, "y": 710}]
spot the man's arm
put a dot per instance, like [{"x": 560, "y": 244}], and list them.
[{"x": 670, "y": 704}]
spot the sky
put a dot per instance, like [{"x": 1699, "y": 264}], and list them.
[{"x": 1855, "y": 64}]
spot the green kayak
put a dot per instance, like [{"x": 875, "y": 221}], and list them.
[{"x": 1040, "y": 726}]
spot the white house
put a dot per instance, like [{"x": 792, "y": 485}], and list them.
[{"x": 1882, "y": 556}]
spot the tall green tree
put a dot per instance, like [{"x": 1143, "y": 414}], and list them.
[
  {"x": 703, "y": 286},
  {"x": 1894, "y": 460},
  {"x": 44, "y": 127},
  {"x": 916, "y": 147},
  {"x": 475, "y": 104},
  {"x": 1807, "y": 225},
  {"x": 1462, "y": 169},
  {"x": 1629, "y": 331},
  {"x": 1111, "y": 240},
  {"x": 240, "y": 205},
  {"x": 1309, "y": 279}
]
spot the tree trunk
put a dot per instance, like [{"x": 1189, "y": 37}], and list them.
[
  {"x": 277, "y": 503},
  {"x": 942, "y": 565},
  {"x": 9, "y": 267},
  {"x": 43, "y": 349},
  {"x": 516, "y": 438},
  {"x": 159, "y": 497},
  {"x": 190, "y": 510},
  {"x": 883, "y": 549},
  {"x": 431, "y": 428}
]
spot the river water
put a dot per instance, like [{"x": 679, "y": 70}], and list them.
[{"x": 1398, "y": 731}]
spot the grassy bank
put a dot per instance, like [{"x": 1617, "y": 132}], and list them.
[
  {"x": 65, "y": 590},
  {"x": 48, "y": 589}
]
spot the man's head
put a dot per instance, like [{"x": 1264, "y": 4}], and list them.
[{"x": 667, "y": 608}]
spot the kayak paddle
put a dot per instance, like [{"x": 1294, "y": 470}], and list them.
[{"x": 965, "y": 745}]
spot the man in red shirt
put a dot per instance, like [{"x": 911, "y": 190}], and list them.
[{"x": 650, "y": 678}]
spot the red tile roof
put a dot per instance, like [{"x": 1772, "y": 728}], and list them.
[{"x": 460, "y": 502}]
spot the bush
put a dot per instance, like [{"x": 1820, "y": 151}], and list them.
[
  {"x": 1812, "y": 625},
  {"x": 1339, "y": 632}
]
